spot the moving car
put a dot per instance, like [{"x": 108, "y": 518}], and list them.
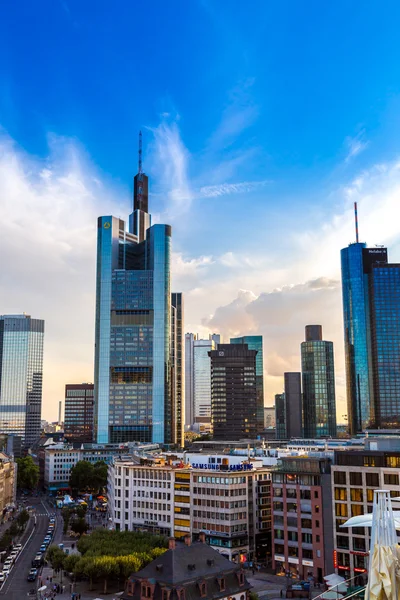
[
  {"x": 37, "y": 561},
  {"x": 32, "y": 575}
]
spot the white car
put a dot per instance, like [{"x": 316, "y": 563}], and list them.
[
  {"x": 17, "y": 547},
  {"x": 2, "y": 576},
  {"x": 6, "y": 568}
]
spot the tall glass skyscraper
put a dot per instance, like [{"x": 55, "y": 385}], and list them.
[
  {"x": 357, "y": 262},
  {"x": 21, "y": 376},
  {"x": 133, "y": 390},
  {"x": 318, "y": 373},
  {"x": 255, "y": 342}
]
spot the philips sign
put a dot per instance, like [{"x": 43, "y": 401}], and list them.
[{"x": 212, "y": 467}]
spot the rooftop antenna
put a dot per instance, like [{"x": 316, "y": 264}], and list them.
[
  {"x": 140, "y": 153},
  {"x": 355, "y": 213}
]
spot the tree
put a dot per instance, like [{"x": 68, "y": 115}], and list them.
[
  {"x": 106, "y": 567},
  {"x": 128, "y": 565},
  {"x": 27, "y": 473},
  {"x": 70, "y": 563},
  {"x": 66, "y": 515},
  {"x": 79, "y": 526},
  {"x": 99, "y": 476},
  {"x": 56, "y": 557},
  {"x": 89, "y": 568},
  {"x": 254, "y": 596},
  {"x": 81, "y": 476},
  {"x": 23, "y": 518}
]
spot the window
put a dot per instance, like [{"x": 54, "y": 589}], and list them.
[
  {"x": 356, "y": 510},
  {"x": 342, "y": 541},
  {"x": 203, "y": 589},
  {"x": 339, "y": 477},
  {"x": 340, "y": 493},
  {"x": 146, "y": 591},
  {"x": 391, "y": 479},
  {"x": 369, "y": 461},
  {"x": 221, "y": 582},
  {"x": 356, "y": 495},
  {"x": 355, "y": 478},
  {"x": 372, "y": 479},
  {"x": 166, "y": 594},
  {"x": 340, "y": 509}
]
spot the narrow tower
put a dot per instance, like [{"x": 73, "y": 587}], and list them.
[{"x": 140, "y": 220}]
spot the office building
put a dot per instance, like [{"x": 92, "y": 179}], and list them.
[
  {"x": 188, "y": 571},
  {"x": 178, "y": 368},
  {"x": 302, "y": 518},
  {"x": 280, "y": 417},
  {"x": 233, "y": 392},
  {"x": 269, "y": 417},
  {"x": 198, "y": 380},
  {"x": 78, "y": 414},
  {"x": 318, "y": 374},
  {"x": 355, "y": 476},
  {"x": 255, "y": 342},
  {"x": 357, "y": 261},
  {"x": 293, "y": 403},
  {"x": 133, "y": 393},
  {"x": 21, "y": 376},
  {"x": 226, "y": 497},
  {"x": 8, "y": 484}
]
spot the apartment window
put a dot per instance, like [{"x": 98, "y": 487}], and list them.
[
  {"x": 359, "y": 544},
  {"x": 306, "y": 539},
  {"x": 391, "y": 479},
  {"x": 340, "y": 509},
  {"x": 372, "y": 479},
  {"x": 370, "y": 495},
  {"x": 279, "y": 549},
  {"x": 392, "y": 461},
  {"x": 356, "y": 510},
  {"x": 342, "y": 541},
  {"x": 340, "y": 493},
  {"x": 356, "y": 495},
  {"x": 339, "y": 477},
  {"x": 355, "y": 478}
]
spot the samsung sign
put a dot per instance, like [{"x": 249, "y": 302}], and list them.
[{"x": 211, "y": 467}]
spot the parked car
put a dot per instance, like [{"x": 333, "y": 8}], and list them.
[
  {"x": 32, "y": 575},
  {"x": 17, "y": 547},
  {"x": 2, "y": 576},
  {"x": 6, "y": 568},
  {"x": 43, "y": 548}
]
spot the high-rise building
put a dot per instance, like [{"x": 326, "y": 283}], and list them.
[
  {"x": 269, "y": 417},
  {"x": 280, "y": 417},
  {"x": 357, "y": 265},
  {"x": 133, "y": 391},
  {"x": 78, "y": 412},
  {"x": 233, "y": 392},
  {"x": 318, "y": 373},
  {"x": 293, "y": 402},
  {"x": 178, "y": 366},
  {"x": 198, "y": 379},
  {"x": 21, "y": 376},
  {"x": 255, "y": 342}
]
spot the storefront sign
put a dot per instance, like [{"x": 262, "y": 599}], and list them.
[{"x": 212, "y": 467}]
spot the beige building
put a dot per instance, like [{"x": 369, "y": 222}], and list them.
[{"x": 8, "y": 481}]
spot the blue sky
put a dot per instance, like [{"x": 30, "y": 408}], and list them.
[{"x": 262, "y": 122}]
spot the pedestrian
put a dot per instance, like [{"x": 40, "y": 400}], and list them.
[{"x": 63, "y": 588}]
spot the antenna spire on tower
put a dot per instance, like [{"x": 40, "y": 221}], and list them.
[
  {"x": 140, "y": 153},
  {"x": 356, "y": 220}
]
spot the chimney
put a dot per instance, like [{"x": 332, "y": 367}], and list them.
[
  {"x": 202, "y": 537},
  {"x": 187, "y": 539},
  {"x": 171, "y": 543}
]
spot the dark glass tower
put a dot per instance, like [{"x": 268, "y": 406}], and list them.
[
  {"x": 357, "y": 261},
  {"x": 21, "y": 376},
  {"x": 233, "y": 392},
  {"x": 280, "y": 417},
  {"x": 178, "y": 367},
  {"x": 78, "y": 413},
  {"x": 133, "y": 391},
  {"x": 255, "y": 342},
  {"x": 384, "y": 289},
  {"x": 318, "y": 373},
  {"x": 293, "y": 402}
]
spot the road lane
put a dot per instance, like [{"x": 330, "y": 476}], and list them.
[{"x": 16, "y": 586}]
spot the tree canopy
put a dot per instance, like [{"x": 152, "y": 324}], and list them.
[
  {"x": 86, "y": 476},
  {"x": 27, "y": 473}
]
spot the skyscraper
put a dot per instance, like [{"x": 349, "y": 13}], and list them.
[
  {"x": 318, "y": 373},
  {"x": 280, "y": 417},
  {"x": 255, "y": 342},
  {"x": 133, "y": 391},
  {"x": 78, "y": 413},
  {"x": 178, "y": 365},
  {"x": 358, "y": 263},
  {"x": 198, "y": 379},
  {"x": 293, "y": 403},
  {"x": 233, "y": 392},
  {"x": 189, "y": 379},
  {"x": 21, "y": 376}
]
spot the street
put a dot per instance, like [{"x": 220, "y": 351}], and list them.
[{"x": 16, "y": 586}]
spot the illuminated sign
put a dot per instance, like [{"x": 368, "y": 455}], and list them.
[{"x": 212, "y": 467}]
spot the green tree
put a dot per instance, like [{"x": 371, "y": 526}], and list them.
[
  {"x": 23, "y": 518},
  {"x": 56, "y": 557},
  {"x": 70, "y": 563},
  {"x": 81, "y": 511},
  {"x": 129, "y": 564},
  {"x": 81, "y": 476},
  {"x": 79, "y": 526},
  {"x": 254, "y": 596},
  {"x": 66, "y": 515},
  {"x": 99, "y": 476},
  {"x": 89, "y": 568},
  {"x": 106, "y": 567},
  {"x": 27, "y": 473}
]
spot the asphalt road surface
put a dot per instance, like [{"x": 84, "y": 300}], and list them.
[{"x": 16, "y": 587}]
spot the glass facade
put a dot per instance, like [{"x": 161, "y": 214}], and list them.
[
  {"x": 318, "y": 374},
  {"x": 133, "y": 392},
  {"x": 356, "y": 263},
  {"x": 202, "y": 379},
  {"x": 21, "y": 376},
  {"x": 178, "y": 367},
  {"x": 385, "y": 343},
  {"x": 255, "y": 342},
  {"x": 280, "y": 417},
  {"x": 78, "y": 413}
]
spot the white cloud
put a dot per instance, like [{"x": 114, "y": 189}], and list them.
[
  {"x": 225, "y": 189},
  {"x": 355, "y": 145}
]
